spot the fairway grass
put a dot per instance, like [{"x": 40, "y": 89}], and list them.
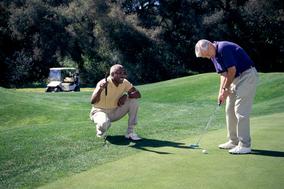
[{"x": 184, "y": 168}]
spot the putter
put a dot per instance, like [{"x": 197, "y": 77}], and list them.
[
  {"x": 105, "y": 142},
  {"x": 196, "y": 145}
]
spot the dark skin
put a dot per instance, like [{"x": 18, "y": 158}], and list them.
[{"x": 117, "y": 78}]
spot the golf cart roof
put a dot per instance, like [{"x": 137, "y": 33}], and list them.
[{"x": 64, "y": 68}]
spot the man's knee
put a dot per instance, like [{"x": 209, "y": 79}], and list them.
[
  {"x": 101, "y": 119},
  {"x": 241, "y": 115},
  {"x": 133, "y": 102},
  {"x": 103, "y": 126}
]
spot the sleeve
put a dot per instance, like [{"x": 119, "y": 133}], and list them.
[
  {"x": 217, "y": 65},
  {"x": 128, "y": 85},
  {"x": 229, "y": 57}
]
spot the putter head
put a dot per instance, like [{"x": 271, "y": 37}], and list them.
[{"x": 193, "y": 146}]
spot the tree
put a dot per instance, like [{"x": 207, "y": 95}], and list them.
[
  {"x": 264, "y": 22},
  {"x": 40, "y": 30},
  {"x": 153, "y": 39}
]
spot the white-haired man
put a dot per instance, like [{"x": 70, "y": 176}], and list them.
[
  {"x": 112, "y": 99},
  {"x": 238, "y": 80}
]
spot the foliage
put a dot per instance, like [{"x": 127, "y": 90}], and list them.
[
  {"x": 18, "y": 67},
  {"x": 263, "y": 19},
  {"x": 154, "y": 39}
]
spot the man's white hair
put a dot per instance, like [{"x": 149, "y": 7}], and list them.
[{"x": 201, "y": 46}]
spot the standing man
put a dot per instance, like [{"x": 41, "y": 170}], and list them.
[
  {"x": 112, "y": 99},
  {"x": 238, "y": 80}
]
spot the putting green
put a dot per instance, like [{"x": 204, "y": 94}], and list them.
[{"x": 176, "y": 166}]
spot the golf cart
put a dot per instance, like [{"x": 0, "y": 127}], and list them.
[{"x": 63, "y": 79}]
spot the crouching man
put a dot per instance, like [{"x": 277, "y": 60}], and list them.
[{"x": 112, "y": 99}]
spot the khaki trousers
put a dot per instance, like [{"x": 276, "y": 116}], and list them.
[
  {"x": 238, "y": 107},
  {"x": 103, "y": 117}
]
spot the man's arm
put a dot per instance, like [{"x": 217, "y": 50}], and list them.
[
  {"x": 222, "y": 81},
  {"x": 134, "y": 93},
  {"x": 97, "y": 92},
  {"x": 226, "y": 80}
]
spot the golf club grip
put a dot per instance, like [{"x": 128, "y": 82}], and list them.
[
  {"x": 106, "y": 88},
  {"x": 106, "y": 83}
]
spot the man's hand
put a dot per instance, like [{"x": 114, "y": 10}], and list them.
[
  {"x": 226, "y": 79},
  {"x": 134, "y": 93},
  {"x": 103, "y": 84},
  {"x": 97, "y": 92},
  {"x": 223, "y": 95},
  {"x": 122, "y": 100}
]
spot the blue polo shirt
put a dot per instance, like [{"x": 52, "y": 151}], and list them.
[{"x": 229, "y": 54}]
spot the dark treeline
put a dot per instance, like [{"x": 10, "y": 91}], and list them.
[{"x": 153, "y": 39}]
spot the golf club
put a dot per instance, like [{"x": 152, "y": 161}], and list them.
[
  {"x": 196, "y": 145},
  {"x": 105, "y": 144},
  {"x": 105, "y": 137},
  {"x": 106, "y": 83}
]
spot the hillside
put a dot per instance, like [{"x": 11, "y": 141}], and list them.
[{"x": 45, "y": 137}]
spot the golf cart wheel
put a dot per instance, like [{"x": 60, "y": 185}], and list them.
[
  {"x": 77, "y": 89},
  {"x": 49, "y": 89},
  {"x": 57, "y": 89}
]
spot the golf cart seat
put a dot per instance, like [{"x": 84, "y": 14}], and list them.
[{"x": 68, "y": 80}]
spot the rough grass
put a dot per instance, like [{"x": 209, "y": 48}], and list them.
[{"x": 46, "y": 137}]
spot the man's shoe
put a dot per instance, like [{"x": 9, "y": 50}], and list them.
[
  {"x": 132, "y": 136},
  {"x": 240, "y": 150},
  {"x": 101, "y": 134},
  {"x": 227, "y": 145}
]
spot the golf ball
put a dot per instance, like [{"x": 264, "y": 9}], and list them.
[{"x": 204, "y": 152}]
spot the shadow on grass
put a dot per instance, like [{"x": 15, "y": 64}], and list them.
[
  {"x": 145, "y": 143},
  {"x": 267, "y": 153}
]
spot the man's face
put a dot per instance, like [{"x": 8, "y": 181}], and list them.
[
  {"x": 119, "y": 75},
  {"x": 206, "y": 54}
]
